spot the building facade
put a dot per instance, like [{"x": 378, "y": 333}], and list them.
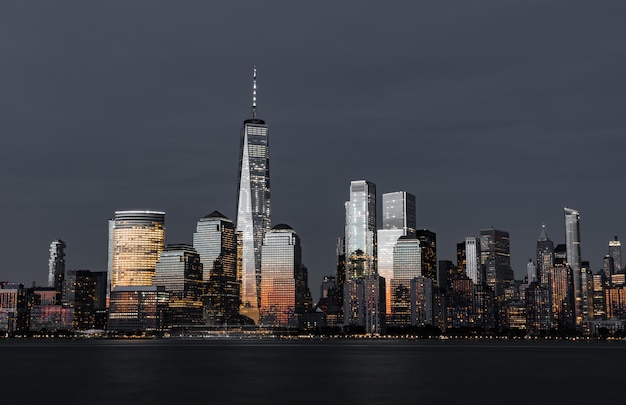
[
  {"x": 179, "y": 272},
  {"x": 56, "y": 267},
  {"x": 283, "y": 279},
  {"x": 216, "y": 243},
  {"x": 253, "y": 205},
  {"x": 572, "y": 244},
  {"x": 398, "y": 212},
  {"x": 136, "y": 239}
]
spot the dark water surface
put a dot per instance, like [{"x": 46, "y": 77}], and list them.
[{"x": 310, "y": 372}]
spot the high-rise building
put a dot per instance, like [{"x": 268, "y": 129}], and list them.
[
  {"x": 216, "y": 243},
  {"x": 364, "y": 290},
  {"x": 56, "y": 267},
  {"x": 179, "y": 271},
  {"x": 283, "y": 279},
  {"x": 428, "y": 243},
  {"x": 360, "y": 234},
  {"x": 598, "y": 296},
  {"x": 253, "y": 205},
  {"x": 407, "y": 265},
  {"x": 615, "y": 251},
  {"x": 572, "y": 244},
  {"x": 531, "y": 272},
  {"x": 545, "y": 249},
  {"x": 398, "y": 220},
  {"x": 447, "y": 272},
  {"x": 495, "y": 258},
  {"x": 562, "y": 289},
  {"x": 341, "y": 272},
  {"x": 473, "y": 267},
  {"x": 136, "y": 239},
  {"x": 81, "y": 289}
]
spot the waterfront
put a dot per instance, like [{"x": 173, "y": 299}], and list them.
[{"x": 379, "y": 371}]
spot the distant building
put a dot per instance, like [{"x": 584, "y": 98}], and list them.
[
  {"x": 81, "y": 294},
  {"x": 446, "y": 272},
  {"x": 615, "y": 251},
  {"x": 139, "y": 309},
  {"x": 473, "y": 267},
  {"x": 572, "y": 245},
  {"x": 284, "y": 290},
  {"x": 179, "y": 271},
  {"x": 428, "y": 243},
  {"x": 56, "y": 267},
  {"x": 398, "y": 213},
  {"x": 13, "y": 307},
  {"x": 216, "y": 243},
  {"x": 364, "y": 290},
  {"x": 136, "y": 239},
  {"x": 545, "y": 249},
  {"x": 407, "y": 265},
  {"x": 495, "y": 258}
]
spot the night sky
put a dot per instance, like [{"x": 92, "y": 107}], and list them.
[{"x": 492, "y": 113}]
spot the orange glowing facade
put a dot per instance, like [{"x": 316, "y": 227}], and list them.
[
  {"x": 283, "y": 279},
  {"x": 136, "y": 240}
]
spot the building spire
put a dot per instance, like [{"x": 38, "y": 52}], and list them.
[
  {"x": 254, "y": 93},
  {"x": 543, "y": 235}
]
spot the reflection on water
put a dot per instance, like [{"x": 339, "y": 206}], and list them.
[{"x": 309, "y": 372}]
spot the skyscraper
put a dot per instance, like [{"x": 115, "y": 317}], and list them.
[
  {"x": 572, "y": 245},
  {"x": 398, "y": 220},
  {"x": 407, "y": 265},
  {"x": 615, "y": 251},
  {"x": 253, "y": 205},
  {"x": 428, "y": 242},
  {"x": 179, "y": 271},
  {"x": 283, "y": 279},
  {"x": 495, "y": 258},
  {"x": 216, "y": 243},
  {"x": 545, "y": 250},
  {"x": 360, "y": 236},
  {"x": 473, "y": 268},
  {"x": 56, "y": 267},
  {"x": 136, "y": 239},
  {"x": 364, "y": 292}
]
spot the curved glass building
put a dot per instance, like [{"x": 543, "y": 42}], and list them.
[{"x": 136, "y": 239}]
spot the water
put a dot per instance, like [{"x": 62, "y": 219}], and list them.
[{"x": 309, "y": 372}]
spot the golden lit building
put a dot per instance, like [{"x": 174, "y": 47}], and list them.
[{"x": 136, "y": 240}]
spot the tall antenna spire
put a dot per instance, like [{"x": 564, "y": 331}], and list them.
[{"x": 254, "y": 93}]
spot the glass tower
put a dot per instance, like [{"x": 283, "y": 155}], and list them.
[
  {"x": 473, "y": 269},
  {"x": 179, "y": 271},
  {"x": 56, "y": 267},
  {"x": 615, "y": 251},
  {"x": 253, "y": 205},
  {"x": 216, "y": 243},
  {"x": 398, "y": 220},
  {"x": 136, "y": 239},
  {"x": 283, "y": 280},
  {"x": 495, "y": 258},
  {"x": 545, "y": 250},
  {"x": 572, "y": 245},
  {"x": 407, "y": 265},
  {"x": 360, "y": 242}
]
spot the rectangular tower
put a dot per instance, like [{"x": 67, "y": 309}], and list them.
[
  {"x": 398, "y": 220},
  {"x": 572, "y": 245}
]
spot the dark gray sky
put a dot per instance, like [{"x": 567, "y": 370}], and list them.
[{"x": 492, "y": 113}]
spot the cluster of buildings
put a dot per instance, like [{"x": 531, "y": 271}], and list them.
[
  {"x": 390, "y": 278},
  {"x": 249, "y": 273}
]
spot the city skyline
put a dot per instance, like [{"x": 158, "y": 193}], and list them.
[{"x": 485, "y": 130}]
